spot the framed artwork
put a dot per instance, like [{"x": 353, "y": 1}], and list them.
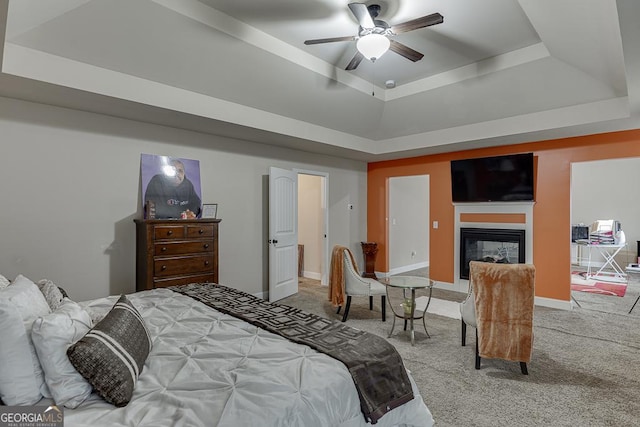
[
  {"x": 209, "y": 210},
  {"x": 172, "y": 186}
]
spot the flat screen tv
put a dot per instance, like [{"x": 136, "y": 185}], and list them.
[{"x": 493, "y": 179}]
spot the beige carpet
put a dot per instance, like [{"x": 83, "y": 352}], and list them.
[{"x": 583, "y": 372}]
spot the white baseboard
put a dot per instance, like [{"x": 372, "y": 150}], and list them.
[
  {"x": 403, "y": 269},
  {"x": 463, "y": 286},
  {"x": 312, "y": 275},
  {"x": 552, "y": 303}
]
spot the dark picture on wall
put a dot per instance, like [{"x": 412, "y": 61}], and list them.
[{"x": 170, "y": 185}]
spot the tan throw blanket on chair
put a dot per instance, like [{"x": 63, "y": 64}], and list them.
[
  {"x": 336, "y": 275},
  {"x": 504, "y": 296}
]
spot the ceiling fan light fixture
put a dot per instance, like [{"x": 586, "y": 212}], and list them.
[{"x": 373, "y": 46}]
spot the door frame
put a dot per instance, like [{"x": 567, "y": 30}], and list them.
[
  {"x": 324, "y": 202},
  {"x": 390, "y": 229}
]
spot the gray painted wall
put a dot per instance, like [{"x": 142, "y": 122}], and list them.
[{"x": 70, "y": 187}]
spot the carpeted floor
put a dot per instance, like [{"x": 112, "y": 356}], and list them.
[
  {"x": 585, "y": 369},
  {"x": 612, "y": 304}
]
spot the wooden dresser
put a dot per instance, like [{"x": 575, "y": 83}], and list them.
[{"x": 175, "y": 252}]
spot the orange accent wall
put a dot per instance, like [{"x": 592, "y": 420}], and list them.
[
  {"x": 497, "y": 218},
  {"x": 551, "y": 212}
]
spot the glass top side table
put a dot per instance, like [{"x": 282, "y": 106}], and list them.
[{"x": 408, "y": 312}]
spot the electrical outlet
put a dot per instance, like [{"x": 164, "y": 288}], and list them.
[
  {"x": 349, "y": 206},
  {"x": 435, "y": 224}
]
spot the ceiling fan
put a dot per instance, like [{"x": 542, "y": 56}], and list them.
[{"x": 373, "y": 38}]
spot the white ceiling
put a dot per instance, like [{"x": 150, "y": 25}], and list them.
[{"x": 494, "y": 72}]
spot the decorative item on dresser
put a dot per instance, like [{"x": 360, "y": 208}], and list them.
[{"x": 176, "y": 252}]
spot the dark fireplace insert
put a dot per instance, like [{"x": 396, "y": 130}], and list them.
[{"x": 491, "y": 245}]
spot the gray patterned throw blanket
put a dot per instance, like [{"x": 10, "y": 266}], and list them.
[{"x": 375, "y": 366}]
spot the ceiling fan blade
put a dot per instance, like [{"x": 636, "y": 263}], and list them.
[
  {"x": 414, "y": 24},
  {"x": 330, "y": 40},
  {"x": 406, "y": 51},
  {"x": 362, "y": 14},
  {"x": 355, "y": 61}
]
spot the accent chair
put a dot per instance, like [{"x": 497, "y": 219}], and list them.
[
  {"x": 499, "y": 305},
  {"x": 346, "y": 281}
]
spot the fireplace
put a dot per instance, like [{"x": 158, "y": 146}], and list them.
[{"x": 492, "y": 245}]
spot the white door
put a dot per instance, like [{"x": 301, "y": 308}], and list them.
[{"x": 283, "y": 233}]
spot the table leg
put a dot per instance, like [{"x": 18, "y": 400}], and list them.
[
  {"x": 393, "y": 325},
  {"x": 634, "y": 304},
  {"x": 575, "y": 300},
  {"x": 413, "y": 308},
  {"x": 424, "y": 315},
  {"x": 609, "y": 255}
]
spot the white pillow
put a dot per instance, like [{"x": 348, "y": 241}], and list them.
[
  {"x": 24, "y": 295},
  {"x": 52, "y": 335},
  {"x": 18, "y": 385}
]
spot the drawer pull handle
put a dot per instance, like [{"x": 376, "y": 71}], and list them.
[
  {"x": 164, "y": 249},
  {"x": 163, "y": 268},
  {"x": 201, "y": 231},
  {"x": 170, "y": 232},
  {"x": 206, "y": 263},
  {"x": 206, "y": 246}
]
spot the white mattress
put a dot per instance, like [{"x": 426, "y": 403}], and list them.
[{"x": 211, "y": 369}]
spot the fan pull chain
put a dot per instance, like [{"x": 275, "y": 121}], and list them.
[{"x": 373, "y": 79}]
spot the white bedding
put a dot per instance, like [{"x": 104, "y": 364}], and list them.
[{"x": 211, "y": 369}]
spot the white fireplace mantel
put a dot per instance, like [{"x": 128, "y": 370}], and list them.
[{"x": 518, "y": 208}]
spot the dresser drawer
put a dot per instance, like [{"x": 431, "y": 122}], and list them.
[
  {"x": 168, "y": 231},
  {"x": 204, "y": 230},
  {"x": 183, "y": 247},
  {"x": 183, "y": 265},
  {"x": 184, "y": 280}
]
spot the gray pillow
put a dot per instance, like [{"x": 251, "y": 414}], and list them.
[
  {"x": 111, "y": 355},
  {"x": 51, "y": 293}
]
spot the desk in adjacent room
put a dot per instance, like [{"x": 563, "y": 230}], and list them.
[{"x": 608, "y": 252}]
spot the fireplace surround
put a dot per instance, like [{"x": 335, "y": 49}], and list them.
[
  {"x": 500, "y": 245},
  {"x": 492, "y": 215}
]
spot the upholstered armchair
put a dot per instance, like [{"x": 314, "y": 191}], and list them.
[
  {"x": 345, "y": 281},
  {"x": 499, "y": 305}
]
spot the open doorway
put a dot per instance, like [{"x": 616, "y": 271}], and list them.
[
  {"x": 409, "y": 224},
  {"x": 312, "y": 228},
  {"x": 600, "y": 190}
]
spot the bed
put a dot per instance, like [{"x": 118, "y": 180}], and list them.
[{"x": 206, "y": 367}]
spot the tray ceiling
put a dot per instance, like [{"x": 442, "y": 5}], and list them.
[{"x": 494, "y": 72}]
